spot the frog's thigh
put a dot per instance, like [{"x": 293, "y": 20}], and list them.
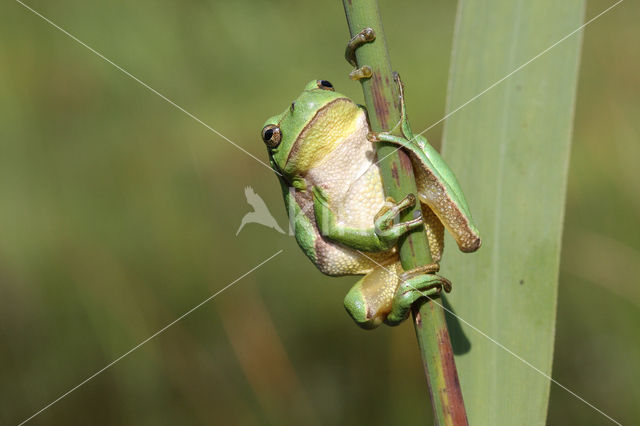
[
  {"x": 435, "y": 232},
  {"x": 370, "y": 299}
]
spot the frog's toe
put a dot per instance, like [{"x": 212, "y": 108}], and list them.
[
  {"x": 367, "y": 35},
  {"x": 361, "y": 73}
]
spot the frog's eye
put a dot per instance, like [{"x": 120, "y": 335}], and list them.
[
  {"x": 325, "y": 85},
  {"x": 271, "y": 135}
]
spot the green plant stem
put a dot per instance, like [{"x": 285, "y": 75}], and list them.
[{"x": 382, "y": 99}]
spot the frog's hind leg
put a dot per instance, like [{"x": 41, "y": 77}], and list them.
[
  {"x": 435, "y": 232},
  {"x": 371, "y": 299},
  {"x": 387, "y": 292},
  {"x": 437, "y": 184},
  {"x": 415, "y": 284}
]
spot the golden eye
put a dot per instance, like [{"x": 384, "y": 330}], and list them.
[
  {"x": 325, "y": 85},
  {"x": 271, "y": 135}
]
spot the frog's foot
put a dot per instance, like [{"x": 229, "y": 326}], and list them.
[
  {"x": 365, "y": 36},
  {"x": 416, "y": 283},
  {"x": 383, "y": 222}
]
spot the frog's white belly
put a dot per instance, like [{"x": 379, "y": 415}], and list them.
[{"x": 351, "y": 179}]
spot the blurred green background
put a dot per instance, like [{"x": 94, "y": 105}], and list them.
[{"x": 118, "y": 213}]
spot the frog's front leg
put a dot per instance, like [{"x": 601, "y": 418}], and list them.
[
  {"x": 365, "y": 36},
  {"x": 380, "y": 237},
  {"x": 384, "y": 221}
]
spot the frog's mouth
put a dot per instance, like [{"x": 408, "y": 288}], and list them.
[
  {"x": 329, "y": 126},
  {"x": 285, "y": 178},
  {"x": 279, "y": 172}
]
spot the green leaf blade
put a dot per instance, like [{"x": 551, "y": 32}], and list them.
[{"x": 510, "y": 150}]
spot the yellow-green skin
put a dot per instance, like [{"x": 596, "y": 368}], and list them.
[{"x": 333, "y": 193}]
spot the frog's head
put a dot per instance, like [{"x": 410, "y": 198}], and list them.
[{"x": 303, "y": 135}]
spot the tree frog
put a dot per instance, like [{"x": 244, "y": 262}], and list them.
[{"x": 323, "y": 151}]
